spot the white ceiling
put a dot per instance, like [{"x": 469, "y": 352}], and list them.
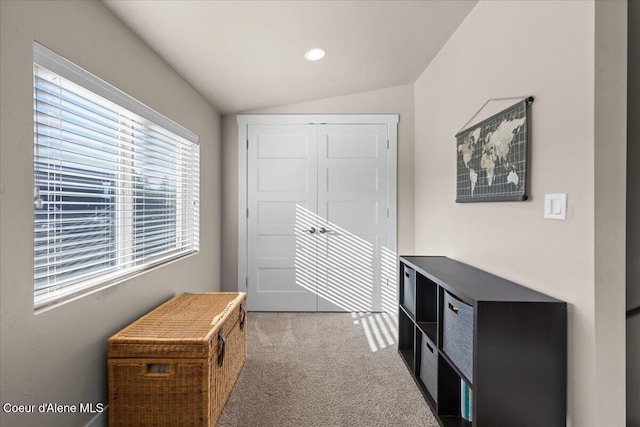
[{"x": 244, "y": 55}]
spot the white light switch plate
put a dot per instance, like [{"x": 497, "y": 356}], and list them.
[{"x": 555, "y": 206}]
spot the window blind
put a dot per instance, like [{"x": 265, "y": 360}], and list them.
[{"x": 114, "y": 191}]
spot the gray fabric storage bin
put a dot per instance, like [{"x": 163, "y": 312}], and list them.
[
  {"x": 429, "y": 367},
  {"x": 457, "y": 334},
  {"x": 409, "y": 294}
]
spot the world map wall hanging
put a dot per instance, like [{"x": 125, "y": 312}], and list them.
[{"x": 492, "y": 157}]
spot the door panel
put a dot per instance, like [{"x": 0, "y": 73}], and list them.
[
  {"x": 359, "y": 217},
  {"x": 277, "y": 177},
  {"x": 352, "y": 206},
  {"x": 349, "y": 143},
  {"x": 352, "y": 180},
  {"x": 282, "y": 191}
]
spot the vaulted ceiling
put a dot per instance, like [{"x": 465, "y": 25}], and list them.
[{"x": 244, "y": 55}]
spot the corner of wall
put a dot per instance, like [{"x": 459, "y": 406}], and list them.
[
  {"x": 610, "y": 153},
  {"x": 229, "y": 221}
]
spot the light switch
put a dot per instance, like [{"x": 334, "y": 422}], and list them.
[
  {"x": 548, "y": 206},
  {"x": 555, "y": 206}
]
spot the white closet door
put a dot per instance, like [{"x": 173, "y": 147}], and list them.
[
  {"x": 282, "y": 202},
  {"x": 353, "y": 174}
]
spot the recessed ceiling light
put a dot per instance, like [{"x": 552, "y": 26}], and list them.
[{"x": 315, "y": 54}]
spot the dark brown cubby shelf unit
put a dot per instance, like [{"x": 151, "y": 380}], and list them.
[{"x": 508, "y": 343}]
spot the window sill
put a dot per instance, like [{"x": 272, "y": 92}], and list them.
[{"x": 54, "y": 299}]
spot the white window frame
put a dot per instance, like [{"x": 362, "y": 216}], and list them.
[{"x": 57, "y": 64}]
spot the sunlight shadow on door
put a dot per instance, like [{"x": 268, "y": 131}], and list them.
[{"x": 342, "y": 268}]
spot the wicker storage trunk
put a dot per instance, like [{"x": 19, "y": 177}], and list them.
[{"x": 177, "y": 365}]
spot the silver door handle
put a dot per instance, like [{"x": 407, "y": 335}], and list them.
[
  {"x": 324, "y": 230},
  {"x": 311, "y": 230}
]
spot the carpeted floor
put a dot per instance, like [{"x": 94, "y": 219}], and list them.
[{"x": 324, "y": 369}]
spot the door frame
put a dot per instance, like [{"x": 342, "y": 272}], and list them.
[{"x": 244, "y": 120}]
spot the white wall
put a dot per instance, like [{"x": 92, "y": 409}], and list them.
[
  {"x": 60, "y": 355},
  {"x": 394, "y": 100},
  {"x": 547, "y": 50}
]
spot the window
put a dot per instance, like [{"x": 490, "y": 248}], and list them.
[{"x": 116, "y": 184}]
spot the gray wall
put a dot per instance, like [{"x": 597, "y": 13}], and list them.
[
  {"x": 633, "y": 372},
  {"x": 59, "y": 355},
  {"x": 394, "y": 100},
  {"x": 610, "y": 179},
  {"x": 633, "y": 216},
  {"x": 548, "y": 50}
]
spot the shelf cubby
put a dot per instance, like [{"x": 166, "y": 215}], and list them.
[
  {"x": 449, "y": 392},
  {"x": 406, "y": 337},
  {"x": 427, "y": 307}
]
